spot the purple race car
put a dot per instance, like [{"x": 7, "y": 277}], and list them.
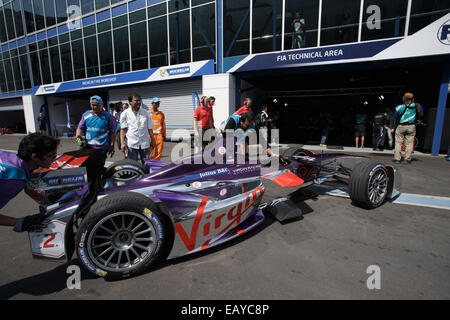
[{"x": 163, "y": 210}]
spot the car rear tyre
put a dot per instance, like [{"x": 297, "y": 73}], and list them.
[
  {"x": 123, "y": 235},
  {"x": 368, "y": 185}
]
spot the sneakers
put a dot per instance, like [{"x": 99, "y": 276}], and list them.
[
  {"x": 406, "y": 161},
  {"x": 397, "y": 161}
]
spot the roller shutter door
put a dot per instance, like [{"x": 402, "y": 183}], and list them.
[
  {"x": 11, "y": 105},
  {"x": 176, "y": 102}
]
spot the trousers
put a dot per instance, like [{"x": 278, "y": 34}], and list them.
[{"x": 407, "y": 133}]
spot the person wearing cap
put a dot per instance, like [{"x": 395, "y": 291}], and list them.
[
  {"x": 406, "y": 114},
  {"x": 99, "y": 128},
  {"x": 137, "y": 126},
  {"x": 159, "y": 129}
]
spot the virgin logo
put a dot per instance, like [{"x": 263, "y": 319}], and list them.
[{"x": 209, "y": 227}]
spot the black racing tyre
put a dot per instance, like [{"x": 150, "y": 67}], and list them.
[
  {"x": 123, "y": 235},
  {"x": 368, "y": 184},
  {"x": 125, "y": 171},
  {"x": 295, "y": 151}
]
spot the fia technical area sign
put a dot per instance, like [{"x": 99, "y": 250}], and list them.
[{"x": 444, "y": 33}]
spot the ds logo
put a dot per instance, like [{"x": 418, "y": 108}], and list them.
[{"x": 444, "y": 33}]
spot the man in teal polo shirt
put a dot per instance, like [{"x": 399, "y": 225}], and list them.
[{"x": 407, "y": 113}]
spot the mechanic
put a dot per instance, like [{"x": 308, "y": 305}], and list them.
[
  {"x": 379, "y": 135},
  {"x": 211, "y": 103},
  {"x": 202, "y": 122},
  {"x": 159, "y": 129},
  {"x": 247, "y": 107},
  {"x": 35, "y": 151},
  {"x": 137, "y": 126},
  {"x": 406, "y": 113},
  {"x": 99, "y": 127},
  {"x": 242, "y": 123}
]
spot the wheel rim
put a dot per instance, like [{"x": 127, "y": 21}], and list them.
[
  {"x": 121, "y": 241},
  {"x": 126, "y": 175},
  {"x": 378, "y": 184}
]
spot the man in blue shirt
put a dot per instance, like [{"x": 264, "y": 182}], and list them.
[
  {"x": 99, "y": 127},
  {"x": 35, "y": 151},
  {"x": 406, "y": 113}
]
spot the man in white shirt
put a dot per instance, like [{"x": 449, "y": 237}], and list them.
[{"x": 137, "y": 126}]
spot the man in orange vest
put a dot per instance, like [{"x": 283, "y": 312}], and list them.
[{"x": 159, "y": 129}]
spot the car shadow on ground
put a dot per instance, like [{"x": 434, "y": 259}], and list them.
[{"x": 42, "y": 284}]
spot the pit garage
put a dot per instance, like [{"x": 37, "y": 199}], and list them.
[
  {"x": 297, "y": 97},
  {"x": 12, "y": 118}
]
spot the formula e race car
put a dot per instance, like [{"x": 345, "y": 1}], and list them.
[{"x": 143, "y": 214}]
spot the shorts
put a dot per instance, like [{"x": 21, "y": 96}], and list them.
[{"x": 360, "y": 130}]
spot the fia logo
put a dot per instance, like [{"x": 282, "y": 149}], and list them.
[{"x": 444, "y": 33}]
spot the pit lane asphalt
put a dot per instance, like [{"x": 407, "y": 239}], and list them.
[{"x": 323, "y": 256}]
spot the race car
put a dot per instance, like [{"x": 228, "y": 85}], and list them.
[{"x": 143, "y": 214}]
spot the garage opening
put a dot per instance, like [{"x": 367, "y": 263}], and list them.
[
  {"x": 66, "y": 110},
  {"x": 12, "y": 117},
  {"x": 298, "y": 98}
]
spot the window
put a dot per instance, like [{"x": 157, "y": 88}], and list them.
[
  {"x": 306, "y": 12},
  {"x": 9, "y": 75},
  {"x": 66, "y": 62},
  {"x": 265, "y": 28},
  {"x": 391, "y": 24},
  {"x": 61, "y": 11},
  {"x": 25, "y": 72},
  {"x": 425, "y": 12},
  {"x": 45, "y": 66},
  {"x": 78, "y": 59},
  {"x": 203, "y": 32},
  {"x": 17, "y": 13},
  {"x": 236, "y": 27},
  {"x": 9, "y": 21},
  {"x": 39, "y": 14},
  {"x": 90, "y": 45},
  {"x": 157, "y": 10},
  {"x": 54, "y": 63},
  {"x": 101, "y": 4},
  {"x": 50, "y": 17},
  {"x": 121, "y": 50},
  {"x": 180, "y": 51},
  {"x": 3, "y": 33},
  {"x": 175, "y": 5},
  {"x": 137, "y": 16},
  {"x": 138, "y": 43},
  {"x": 340, "y": 21},
  {"x": 87, "y": 6},
  {"x": 17, "y": 74},
  {"x": 105, "y": 53},
  {"x": 3, "y": 87},
  {"x": 34, "y": 59},
  {"x": 157, "y": 30}
]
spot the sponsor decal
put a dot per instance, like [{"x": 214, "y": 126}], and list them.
[
  {"x": 248, "y": 169},
  {"x": 197, "y": 184},
  {"x": 444, "y": 33},
  {"x": 222, "y": 222}
]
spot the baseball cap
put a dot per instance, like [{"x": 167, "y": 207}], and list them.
[
  {"x": 155, "y": 100},
  {"x": 96, "y": 99}
]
